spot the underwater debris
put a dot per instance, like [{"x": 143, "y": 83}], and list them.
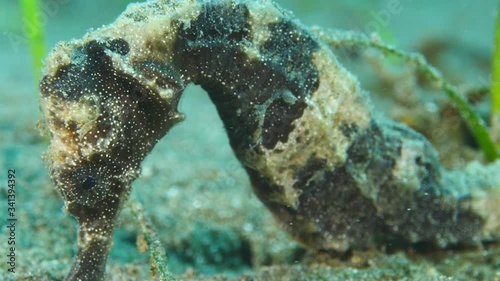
[
  {"x": 149, "y": 234},
  {"x": 334, "y": 176}
]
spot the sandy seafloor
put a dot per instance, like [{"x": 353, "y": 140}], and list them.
[{"x": 193, "y": 188}]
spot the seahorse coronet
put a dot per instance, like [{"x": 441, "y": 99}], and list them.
[{"x": 334, "y": 175}]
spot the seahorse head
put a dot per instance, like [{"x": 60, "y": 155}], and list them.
[{"x": 103, "y": 118}]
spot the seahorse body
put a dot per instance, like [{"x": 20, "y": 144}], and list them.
[{"x": 334, "y": 176}]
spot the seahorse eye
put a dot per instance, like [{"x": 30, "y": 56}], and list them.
[{"x": 88, "y": 183}]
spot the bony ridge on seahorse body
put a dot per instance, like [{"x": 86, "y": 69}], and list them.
[{"x": 333, "y": 175}]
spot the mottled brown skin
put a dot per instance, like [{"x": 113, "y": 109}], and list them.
[{"x": 335, "y": 177}]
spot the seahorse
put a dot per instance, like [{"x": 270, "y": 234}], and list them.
[{"x": 334, "y": 174}]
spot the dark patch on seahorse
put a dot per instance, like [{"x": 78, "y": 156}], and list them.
[
  {"x": 451, "y": 220},
  {"x": 335, "y": 199},
  {"x": 278, "y": 121},
  {"x": 232, "y": 80},
  {"x": 219, "y": 24},
  {"x": 65, "y": 84},
  {"x": 119, "y": 46},
  {"x": 290, "y": 49},
  {"x": 74, "y": 81},
  {"x": 342, "y": 211},
  {"x": 364, "y": 154}
]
